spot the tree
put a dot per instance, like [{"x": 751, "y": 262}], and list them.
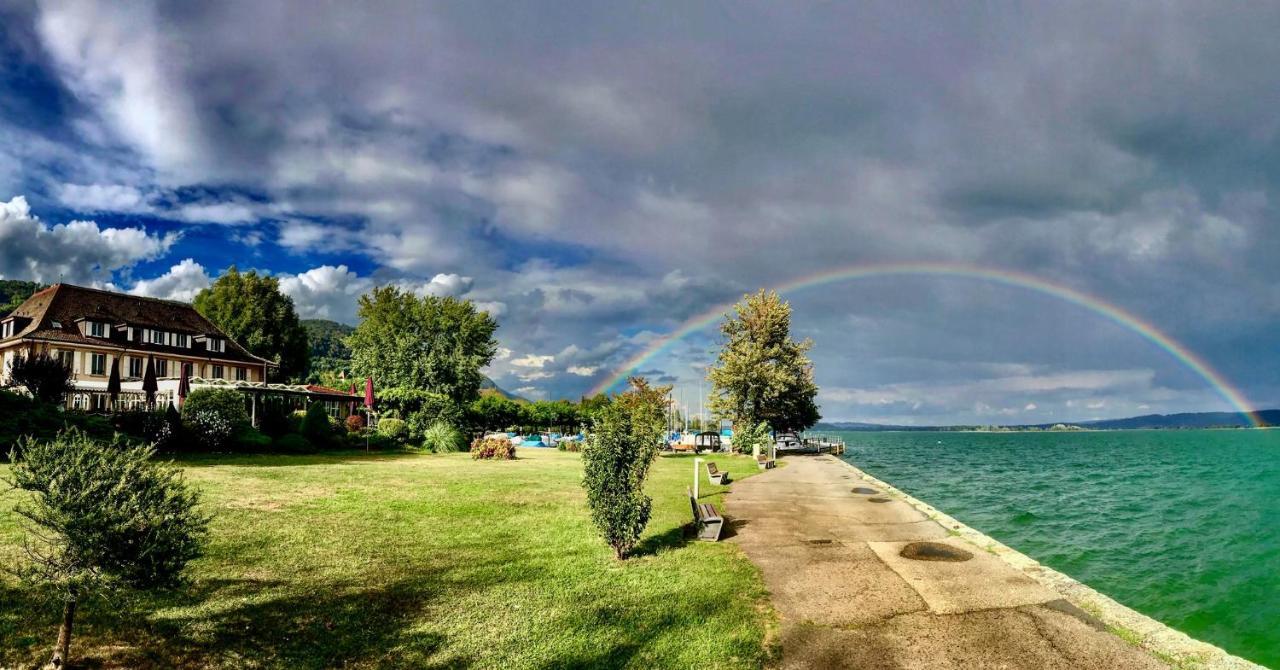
[
  {"x": 251, "y": 310},
  {"x": 422, "y": 344},
  {"x": 761, "y": 374},
  {"x": 45, "y": 377},
  {"x": 101, "y": 517},
  {"x": 493, "y": 412},
  {"x": 615, "y": 461}
]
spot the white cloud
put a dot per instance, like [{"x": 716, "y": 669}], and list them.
[
  {"x": 103, "y": 198},
  {"x": 1030, "y": 406},
  {"x": 533, "y": 361},
  {"x": 583, "y": 370},
  {"x": 78, "y": 251},
  {"x": 182, "y": 282}
]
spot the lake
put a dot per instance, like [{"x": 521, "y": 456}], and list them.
[{"x": 1183, "y": 526}]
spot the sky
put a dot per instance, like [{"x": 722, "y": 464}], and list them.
[{"x": 595, "y": 174}]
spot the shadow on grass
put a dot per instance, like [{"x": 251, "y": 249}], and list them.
[
  {"x": 286, "y": 460},
  {"x": 300, "y": 622},
  {"x": 672, "y": 538}
]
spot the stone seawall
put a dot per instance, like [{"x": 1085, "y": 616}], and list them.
[{"x": 1177, "y": 648}]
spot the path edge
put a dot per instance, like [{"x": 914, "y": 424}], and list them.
[{"x": 1172, "y": 646}]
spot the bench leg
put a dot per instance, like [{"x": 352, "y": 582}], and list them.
[{"x": 710, "y": 531}]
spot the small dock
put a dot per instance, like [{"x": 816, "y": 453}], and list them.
[{"x": 817, "y": 444}]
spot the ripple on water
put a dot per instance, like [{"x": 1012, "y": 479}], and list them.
[{"x": 1179, "y": 525}]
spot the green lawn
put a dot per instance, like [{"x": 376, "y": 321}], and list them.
[{"x": 419, "y": 561}]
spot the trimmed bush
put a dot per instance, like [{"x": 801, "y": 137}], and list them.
[
  {"x": 495, "y": 448},
  {"x": 213, "y": 417},
  {"x": 292, "y": 443},
  {"x": 442, "y": 438},
  {"x": 394, "y": 429},
  {"x": 316, "y": 426},
  {"x": 251, "y": 440},
  {"x": 355, "y": 423}
]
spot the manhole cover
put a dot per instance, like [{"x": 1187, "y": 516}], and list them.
[
  {"x": 878, "y": 500},
  {"x": 934, "y": 551},
  {"x": 864, "y": 490}
]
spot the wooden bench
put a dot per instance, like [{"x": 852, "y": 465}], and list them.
[
  {"x": 715, "y": 475},
  {"x": 765, "y": 462},
  {"x": 709, "y": 521}
]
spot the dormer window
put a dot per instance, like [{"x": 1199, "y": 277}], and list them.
[
  {"x": 155, "y": 336},
  {"x": 6, "y": 330},
  {"x": 180, "y": 340},
  {"x": 97, "y": 329},
  {"x": 216, "y": 344}
]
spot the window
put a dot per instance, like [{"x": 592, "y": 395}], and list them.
[
  {"x": 241, "y": 374},
  {"x": 162, "y": 367},
  {"x": 155, "y": 336},
  {"x": 98, "y": 364},
  {"x": 217, "y": 372},
  {"x": 136, "y": 368},
  {"x": 180, "y": 340},
  {"x": 217, "y": 345},
  {"x": 331, "y": 406},
  {"x": 6, "y": 331},
  {"x": 97, "y": 329},
  {"x": 67, "y": 358}
]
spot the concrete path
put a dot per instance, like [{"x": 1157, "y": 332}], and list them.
[{"x": 832, "y": 560}]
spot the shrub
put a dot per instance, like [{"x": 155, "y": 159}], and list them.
[
  {"x": 275, "y": 418},
  {"x": 101, "y": 516},
  {"x": 292, "y": 443},
  {"x": 22, "y": 416},
  {"x": 394, "y": 429},
  {"x": 616, "y": 460},
  {"x": 749, "y": 439},
  {"x": 355, "y": 423},
  {"x": 496, "y": 448},
  {"x": 213, "y": 417},
  {"x": 442, "y": 438},
  {"x": 251, "y": 440},
  {"x": 316, "y": 425},
  {"x": 43, "y": 375}
]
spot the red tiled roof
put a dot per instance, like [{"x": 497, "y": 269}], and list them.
[{"x": 314, "y": 388}]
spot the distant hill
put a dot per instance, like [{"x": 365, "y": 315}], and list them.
[
  {"x": 330, "y": 354},
  {"x": 1185, "y": 420},
  {"x": 14, "y": 292}
]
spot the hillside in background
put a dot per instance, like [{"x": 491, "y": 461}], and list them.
[
  {"x": 13, "y": 292},
  {"x": 1185, "y": 420}
]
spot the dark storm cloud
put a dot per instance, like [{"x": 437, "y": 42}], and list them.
[{"x": 603, "y": 172}]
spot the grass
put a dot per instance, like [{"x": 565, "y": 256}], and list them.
[{"x": 424, "y": 561}]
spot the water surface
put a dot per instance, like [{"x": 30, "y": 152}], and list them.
[{"x": 1179, "y": 525}]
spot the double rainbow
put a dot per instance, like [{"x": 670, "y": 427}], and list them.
[{"x": 1013, "y": 278}]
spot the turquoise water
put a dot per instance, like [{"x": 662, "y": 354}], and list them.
[{"x": 1183, "y": 526}]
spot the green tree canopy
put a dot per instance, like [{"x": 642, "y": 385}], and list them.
[
  {"x": 762, "y": 374},
  {"x": 423, "y": 343},
  {"x": 250, "y": 309}
]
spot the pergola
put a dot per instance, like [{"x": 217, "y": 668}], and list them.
[{"x": 304, "y": 394}]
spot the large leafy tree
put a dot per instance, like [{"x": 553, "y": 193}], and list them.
[
  {"x": 429, "y": 343},
  {"x": 100, "y": 517},
  {"x": 251, "y": 309},
  {"x": 761, "y": 373},
  {"x": 615, "y": 463}
]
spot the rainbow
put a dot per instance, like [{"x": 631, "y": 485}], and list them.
[{"x": 959, "y": 270}]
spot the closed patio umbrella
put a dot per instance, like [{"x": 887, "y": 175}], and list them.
[
  {"x": 368, "y": 392},
  {"x": 184, "y": 386},
  {"x": 113, "y": 383},
  {"x": 149, "y": 385}
]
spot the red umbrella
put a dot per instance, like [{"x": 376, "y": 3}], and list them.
[
  {"x": 368, "y": 392},
  {"x": 184, "y": 386}
]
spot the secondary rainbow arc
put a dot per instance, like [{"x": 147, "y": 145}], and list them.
[{"x": 1013, "y": 278}]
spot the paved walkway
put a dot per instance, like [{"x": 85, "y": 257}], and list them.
[{"x": 848, "y": 599}]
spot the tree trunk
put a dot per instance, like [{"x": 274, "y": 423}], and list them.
[{"x": 63, "y": 650}]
